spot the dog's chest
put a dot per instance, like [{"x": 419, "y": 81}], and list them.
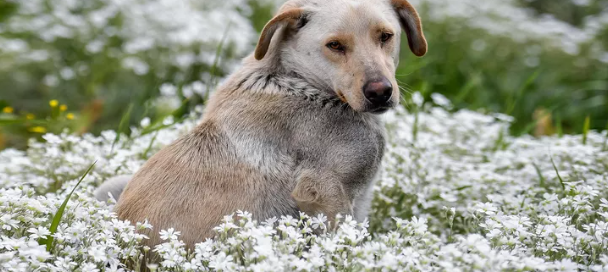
[{"x": 278, "y": 145}]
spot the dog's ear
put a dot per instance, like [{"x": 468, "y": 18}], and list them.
[
  {"x": 290, "y": 16},
  {"x": 410, "y": 21}
]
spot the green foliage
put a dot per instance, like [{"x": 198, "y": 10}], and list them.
[
  {"x": 566, "y": 10},
  {"x": 96, "y": 84},
  {"x": 586, "y": 129},
  {"x": 471, "y": 67},
  {"x": 561, "y": 181},
  {"x": 57, "y": 217},
  {"x": 496, "y": 78}
]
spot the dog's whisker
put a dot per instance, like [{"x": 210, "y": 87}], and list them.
[
  {"x": 403, "y": 74},
  {"x": 404, "y": 101},
  {"x": 405, "y": 90},
  {"x": 402, "y": 83}
]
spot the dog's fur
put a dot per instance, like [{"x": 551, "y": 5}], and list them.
[{"x": 291, "y": 130}]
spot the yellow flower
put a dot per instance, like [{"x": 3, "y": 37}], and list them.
[
  {"x": 7, "y": 110},
  {"x": 30, "y": 116},
  {"x": 63, "y": 107},
  {"x": 53, "y": 103},
  {"x": 70, "y": 116},
  {"x": 37, "y": 129}
]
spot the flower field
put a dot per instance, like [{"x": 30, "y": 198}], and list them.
[
  {"x": 464, "y": 186},
  {"x": 456, "y": 193}
]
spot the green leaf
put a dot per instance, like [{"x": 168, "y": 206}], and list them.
[
  {"x": 57, "y": 217},
  {"x": 463, "y": 187},
  {"x": 415, "y": 128},
  {"x": 145, "y": 154},
  {"x": 10, "y": 120},
  {"x": 178, "y": 114},
  {"x": 472, "y": 83},
  {"x": 540, "y": 175},
  {"x": 218, "y": 52},
  {"x": 122, "y": 126},
  {"x": 605, "y": 139},
  {"x": 519, "y": 94},
  {"x": 586, "y": 129},
  {"x": 558, "y": 126},
  {"x": 499, "y": 144},
  {"x": 561, "y": 181}
]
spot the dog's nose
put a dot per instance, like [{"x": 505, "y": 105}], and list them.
[{"x": 378, "y": 92}]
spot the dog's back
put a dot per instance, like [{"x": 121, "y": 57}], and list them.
[{"x": 191, "y": 184}]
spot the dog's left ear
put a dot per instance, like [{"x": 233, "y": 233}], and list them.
[
  {"x": 410, "y": 21},
  {"x": 288, "y": 17}
]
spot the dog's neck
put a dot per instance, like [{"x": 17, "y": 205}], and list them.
[{"x": 256, "y": 78}]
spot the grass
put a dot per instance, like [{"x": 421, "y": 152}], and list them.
[
  {"x": 559, "y": 177},
  {"x": 586, "y": 129},
  {"x": 495, "y": 78},
  {"x": 48, "y": 242},
  {"x": 605, "y": 139},
  {"x": 122, "y": 126}
]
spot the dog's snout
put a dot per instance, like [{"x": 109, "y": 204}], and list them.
[{"x": 378, "y": 91}]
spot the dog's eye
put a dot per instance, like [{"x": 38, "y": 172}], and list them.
[
  {"x": 336, "y": 46},
  {"x": 386, "y": 36}
]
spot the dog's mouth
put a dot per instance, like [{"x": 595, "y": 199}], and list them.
[
  {"x": 368, "y": 107},
  {"x": 380, "y": 110},
  {"x": 341, "y": 96}
]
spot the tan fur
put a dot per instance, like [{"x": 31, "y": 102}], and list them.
[
  {"x": 284, "y": 18},
  {"x": 318, "y": 197},
  {"x": 289, "y": 131}
]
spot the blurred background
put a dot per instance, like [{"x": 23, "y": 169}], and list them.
[{"x": 85, "y": 66}]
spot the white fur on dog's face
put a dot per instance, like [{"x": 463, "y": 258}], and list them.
[{"x": 340, "y": 45}]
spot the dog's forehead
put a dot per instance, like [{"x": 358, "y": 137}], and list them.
[{"x": 348, "y": 14}]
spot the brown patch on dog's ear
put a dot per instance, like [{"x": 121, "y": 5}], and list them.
[
  {"x": 287, "y": 17},
  {"x": 410, "y": 21}
]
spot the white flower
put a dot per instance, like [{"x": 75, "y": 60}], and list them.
[
  {"x": 145, "y": 122},
  {"x": 90, "y": 267},
  {"x": 169, "y": 234},
  {"x": 8, "y": 223},
  {"x": 419, "y": 225},
  {"x": 566, "y": 265},
  {"x": 146, "y": 225},
  {"x": 97, "y": 253},
  {"x": 40, "y": 232},
  {"x": 417, "y": 99},
  {"x": 441, "y": 100},
  {"x": 221, "y": 262}
]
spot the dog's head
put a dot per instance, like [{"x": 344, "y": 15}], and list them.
[{"x": 348, "y": 46}]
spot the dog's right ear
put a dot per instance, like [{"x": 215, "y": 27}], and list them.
[{"x": 288, "y": 17}]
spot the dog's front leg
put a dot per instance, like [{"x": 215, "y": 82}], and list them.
[{"x": 326, "y": 195}]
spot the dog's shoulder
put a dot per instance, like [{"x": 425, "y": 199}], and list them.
[{"x": 184, "y": 158}]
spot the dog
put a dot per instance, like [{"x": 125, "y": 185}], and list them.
[{"x": 296, "y": 128}]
